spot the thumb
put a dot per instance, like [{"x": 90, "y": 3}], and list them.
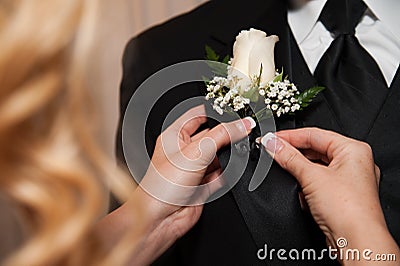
[
  {"x": 289, "y": 158},
  {"x": 226, "y": 133},
  {"x": 207, "y": 146}
]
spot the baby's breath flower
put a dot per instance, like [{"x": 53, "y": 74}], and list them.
[
  {"x": 210, "y": 95},
  {"x": 279, "y": 96}
]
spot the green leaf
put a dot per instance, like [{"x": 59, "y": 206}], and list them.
[
  {"x": 230, "y": 112},
  {"x": 259, "y": 76},
  {"x": 226, "y": 59},
  {"x": 218, "y": 68},
  {"x": 206, "y": 80},
  {"x": 252, "y": 94},
  {"x": 279, "y": 78},
  {"x": 307, "y": 96},
  {"x": 211, "y": 54}
]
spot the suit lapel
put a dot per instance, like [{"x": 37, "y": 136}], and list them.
[
  {"x": 389, "y": 109},
  {"x": 387, "y": 122}
]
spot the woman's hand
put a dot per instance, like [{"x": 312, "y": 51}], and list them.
[
  {"x": 182, "y": 160},
  {"x": 339, "y": 180}
]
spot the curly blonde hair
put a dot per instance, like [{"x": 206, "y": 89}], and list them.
[{"x": 50, "y": 165}]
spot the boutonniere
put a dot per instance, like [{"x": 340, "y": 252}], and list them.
[{"x": 250, "y": 84}]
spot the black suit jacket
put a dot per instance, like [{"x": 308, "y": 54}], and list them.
[{"x": 233, "y": 228}]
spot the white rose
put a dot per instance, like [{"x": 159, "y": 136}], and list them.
[{"x": 252, "y": 49}]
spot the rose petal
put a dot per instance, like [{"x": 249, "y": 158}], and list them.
[
  {"x": 263, "y": 54},
  {"x": 243, "y": 45}
]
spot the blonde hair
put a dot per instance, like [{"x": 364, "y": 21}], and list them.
[{"x": 50, "y": 163}]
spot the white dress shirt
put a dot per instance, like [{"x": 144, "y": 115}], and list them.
[{"x": 378, "y": 32}]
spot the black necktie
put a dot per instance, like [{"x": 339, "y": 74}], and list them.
[{"x": 355, "y": 85}]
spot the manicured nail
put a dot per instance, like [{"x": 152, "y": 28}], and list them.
[
  {"x": 249, "y": 123},
  {"x": 272, "y": 143}
]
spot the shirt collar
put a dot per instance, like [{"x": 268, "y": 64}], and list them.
[
  {"x": 303, "y": 20},
  {"x": 387, "y": 12}
]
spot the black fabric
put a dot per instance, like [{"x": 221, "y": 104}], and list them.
[
  {"x": 351, "y": 76},
  {"x": 232, "y": 228},
  {"x": 383, "y": 139}
]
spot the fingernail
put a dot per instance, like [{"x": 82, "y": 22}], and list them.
[
  {"x": 258, "y": 140},
  {"x": 272, "y": 143},
  {"x": 249, "y": 123}
]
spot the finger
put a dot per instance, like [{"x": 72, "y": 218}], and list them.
[
  {"x": 181, "y": 130},
  {"x": 227, "y": 133},
  {"x": 323, "y": 141},
  {"x": 198, "y": 155},
  {"x": 290, "y": 159},
  {"x": 211, "y": 184},
  {"x": 212, "y": 176},
  {"x": 221, "y": 135},
  {"x": 215, "y": 182},
  {"x": 377, "y": 174},
  {"x": 202, "y": 152},
  {"x": 315, "y": 156},
  {"x": 303, "y": 202},
  {"x": 199, "y": 135},
  {"x": 189, "y": 122},
  {"x": 215, "y": 165}
]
